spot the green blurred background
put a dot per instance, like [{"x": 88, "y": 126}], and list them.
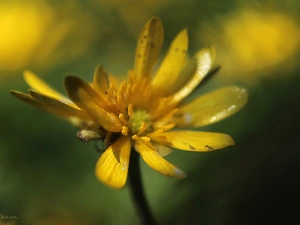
[{"x": 47, "y": 175}]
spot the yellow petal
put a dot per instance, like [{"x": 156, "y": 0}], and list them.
[
  {"x": 171, "y": 65},
  {"x": 212, "y": 107},
  {"x": 205, "y": 60},
  {"x": 194, "y": 140},
  {"x": 27, "y": 99},
  {"x": 148, "y": 48},
  {"x": 114, "y": 81},
  {"x": 88, "y": 100},
  {"x": 101, "y": 82},
  {"x": 156, "y": 162},
  {"x": 39, "y": 85},
  {"x": 162, "y": 149},
  {"x": 59, "y": 107},
  {"x": 112, "y": 167}
]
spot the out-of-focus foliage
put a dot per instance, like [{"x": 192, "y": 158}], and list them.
[{"x": 47, "y": 175}]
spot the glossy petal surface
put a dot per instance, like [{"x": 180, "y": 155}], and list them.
[
  {"x": 27, "y": 99},
  {"x": 205, "y": 60},
  {"x": 194, "y": 140},
  {"x": 212, "y": 107},
  {"x": 100, "y": 81},
  {"x": 171, "y": 65},
  {"x": 36, "y": 83},
  {"x": 148, "y": 48},
  {"x": 112, "y": 167},
  {"x": 59, "y": 107},
  {"x": 156, "y": 162}
]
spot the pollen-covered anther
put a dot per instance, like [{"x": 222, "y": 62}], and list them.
[
  {"x": 142, "y": 128},
  {"x": 122, "y": 118},
  {"x": 124, "y": 130},
  {"x": 134, "y": 137},
  {"x": 143, "y": 138}
]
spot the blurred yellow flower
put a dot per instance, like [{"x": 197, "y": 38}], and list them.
[
  {"x": 254, "y": 43},
  {"x": 143, "y": 111},
  {"x": 31, "y": 33}
]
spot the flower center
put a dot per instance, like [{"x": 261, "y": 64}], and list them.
[{"x": 140, "y": 122}]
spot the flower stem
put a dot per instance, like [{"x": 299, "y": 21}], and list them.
[{"x": 137, "y": 190}]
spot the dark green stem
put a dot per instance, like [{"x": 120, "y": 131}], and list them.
[{"x": 137, "y": 191}]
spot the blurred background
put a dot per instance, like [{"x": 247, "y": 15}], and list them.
[{"x": 47, "y": 175}]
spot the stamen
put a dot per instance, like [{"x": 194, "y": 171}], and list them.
[
  {"x": 133, "y": 88},
  {"x": 131, "y": 75},
  {"x": 124, "y": 130},
  {"x": 134, "y": 137},
  {"x": 122, "y": 118},
  {"x": 157, "y": 132},
  {"x": 131, "y": 95},
  {"x": 113, "y": 93},
  {"x": 130, "y": 111},
  {"x": 142, "y": 128},
  {"x": 122, "y": 98},
  {"x": 169, "y": 115},
  {"x": 122, "y": 86},
  {"x": 164, "y": 126},
  {"x": 120, "y": 104},
  {"x": 147, "y": 91},
  {"x": 143, "y": 84},
  {"x": 112, "y": 88},
  {"x": 160, "y": 104},
  {"x": 143, "y": 138}
]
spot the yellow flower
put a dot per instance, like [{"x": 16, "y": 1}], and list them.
[
  {"x": 32, "y": 33},
  {"x": 254, "y": 43},
  {"x": 265, "y": 46},
  {"x": 142, "y": 112}
]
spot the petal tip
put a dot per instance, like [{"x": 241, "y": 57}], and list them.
[
  {"x": 13, "y": 92},
  {"x": 27, "y": 73},
  {"x": 155, "y": 19},
  {"x": 70, "y": 78},
  {"x": 71, "y": 84},
  {"x": 231, "y": 141},
  {"x": 112, "y": 183},
  {"x": 179, "y": 173},
  {"x": 243, "y": 94},
  {"x": 184, "y": 32},
  {"x": 28, "y": 76}
]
